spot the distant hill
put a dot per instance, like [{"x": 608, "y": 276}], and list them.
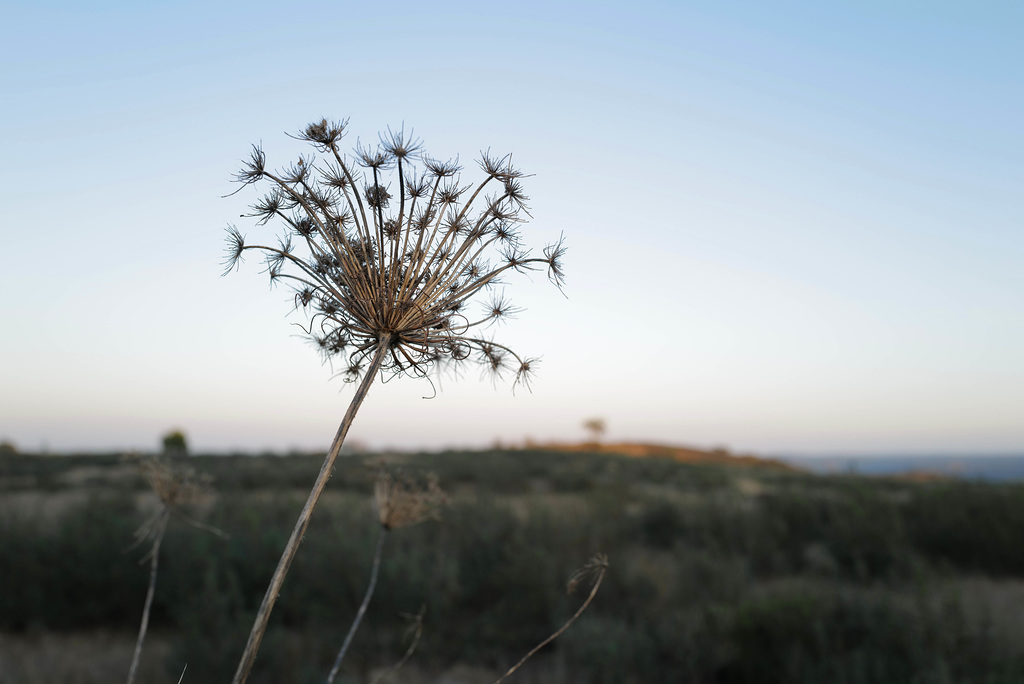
[{"x": 674, "y": 453}]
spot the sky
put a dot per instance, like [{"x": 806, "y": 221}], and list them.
[{"x": 793, "y": 227}]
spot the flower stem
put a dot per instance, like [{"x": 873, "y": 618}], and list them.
[
  {"x": 362, "y": 607},
  {"x": 561, "y": 630},
  {"x": 158, "y": 536},
  {"x": 263, "y": 615}
]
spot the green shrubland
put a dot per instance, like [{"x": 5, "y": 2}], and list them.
[{"x": 718, "y": 574}]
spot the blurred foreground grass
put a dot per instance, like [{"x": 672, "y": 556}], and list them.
[{"x": 718, "y": 573}]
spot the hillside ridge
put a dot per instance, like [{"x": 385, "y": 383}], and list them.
[{"x": 675, "y": 453}]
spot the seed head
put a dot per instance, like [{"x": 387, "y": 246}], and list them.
[
  {"x": 403, "y": 500},
  {"x": 175, "y": 486},
  {"x": 593, "y": 568},
  {"x": 370, "y": 267}
]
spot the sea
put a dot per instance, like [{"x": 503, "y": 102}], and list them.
[{"x": 988, "y": 467}]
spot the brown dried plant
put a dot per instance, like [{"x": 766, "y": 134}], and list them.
[
  {"x": 402, "y": 500},
  {"x": 413, "y": 633},
  {"x": 386, "y": 251},
  {"x": 594, "y": 570},
  {"x": 174, "y": 486}
]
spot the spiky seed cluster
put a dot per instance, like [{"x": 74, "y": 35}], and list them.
[
  {"x": 389, "y": 246},
  {"x": 593, "y": 568},
  {"x": 175, "y": 486},
  {"x": 403, "y": 500}
]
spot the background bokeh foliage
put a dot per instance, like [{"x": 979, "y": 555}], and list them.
[{"x": 718, "y": 574}]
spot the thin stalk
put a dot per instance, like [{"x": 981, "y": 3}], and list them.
[
  {"x": 362, "y": 606},
  {"x": 395, "y": 262},
  {"x": 263, "y": 615},
  {"x": 593, "y": 593},
  {"x": 417, "y": 630},
  {"x": 355, "y": 191},
  {"x": 413, "y": 272},
  {"x": 159, "y": 530}
]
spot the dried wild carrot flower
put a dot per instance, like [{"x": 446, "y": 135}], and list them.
[
  {"x": 394, "y": 264},
  {"x": 593, "y": 570},
  {"x": 175, "y": 486},
  {"x": 386, "y": 251},
  {"x": 403, "y": 501}
]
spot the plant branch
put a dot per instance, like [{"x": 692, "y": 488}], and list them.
[
  {"x": 263, "y": 615},
  {"x": 362, "y": 607},
  {"x": 602, "y": 569},
  {"x": 417, "y": 632},
  {"x": 154, "y": 553}
]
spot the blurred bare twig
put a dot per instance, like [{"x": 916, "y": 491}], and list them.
[
  {"x": 174, "y": 486},
  {"x": 416, "y": 630},
  {"x": 595, "y": 567},
  {"x": 401, "y": 501}
]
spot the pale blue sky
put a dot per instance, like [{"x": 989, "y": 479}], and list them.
[{"x": 793, "y": 226}]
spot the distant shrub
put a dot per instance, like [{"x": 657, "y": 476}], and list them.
[
  {"x": 814, "y": 634},
  {"x": 73, "y": 575},
  {"x": 614, "y": 651},
  {"x": 661, "y": 525},
  {"x": 175, "y": 443},
  {"x": 975, "y": 527}
]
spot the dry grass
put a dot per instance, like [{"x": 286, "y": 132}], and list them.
[{"x": 79, "y": 658}]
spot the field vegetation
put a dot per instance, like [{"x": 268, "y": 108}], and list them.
[{"x": 719, "y": 572}]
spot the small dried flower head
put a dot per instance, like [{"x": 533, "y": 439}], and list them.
[
  {"x": 377, "y": 196},
  {"x": 322, "y": 134},
  {"x": 254, "y": 169},
  {"x": 591, "y": 571},
  {"x": 398, "y": 251},
  {"x": 399, "y": 145},
  {"x": 174, "y": 485},
  {"x": 403, "y": 500}
]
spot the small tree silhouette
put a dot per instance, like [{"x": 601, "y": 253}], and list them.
[
  {"x": 596, "y": 427},
  {"x": 175, "y": 443}
]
